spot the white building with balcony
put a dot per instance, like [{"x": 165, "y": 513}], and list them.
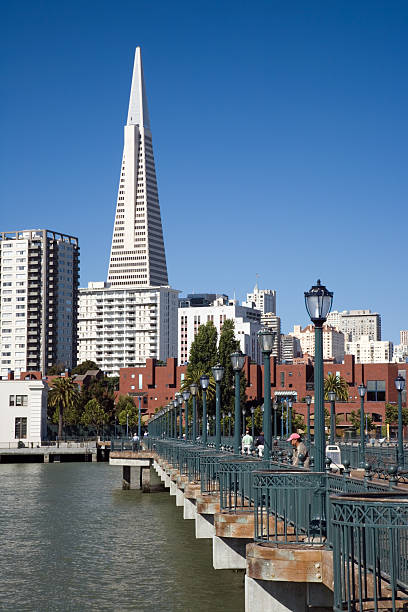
[
  {"x": 370, "y": 351},
  {"x": 119, "y": 328},
  {"x": 247, "y": 324}
]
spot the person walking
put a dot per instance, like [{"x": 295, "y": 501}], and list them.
[
  {"x": 260, "y": 443},
  {"x": 247, "y": 442},
  {"x": 299, "y": 448}
]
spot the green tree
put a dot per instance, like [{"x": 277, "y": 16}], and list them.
[
  {"x": 355, "y": 420},
  {"x": 193, "y": 375},
  {"x": 339, "y": 385},
  {"x": 227, "y": 345},
  {"x": 203, "y": 351},
  {"x": 55, "y": 369},
  {"x": 83, "y": 367},
  {"x": 127, "y": 411},
  {"x": 391, "y": 414},
  {"x": 93, "y": 415},
  {"x": 63, "y": 396}
]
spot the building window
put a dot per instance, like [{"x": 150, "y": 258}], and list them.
[
  {"x": 20, "y": 428},
  {"x": 18, "y": 400},
  {"x": 282, "y": 377},
  {"x": 375, "y": 390}
]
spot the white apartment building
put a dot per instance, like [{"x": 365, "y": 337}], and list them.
[
  {"x": 400, "y": 353},
  {"x": 23, "y": 414},
  {"x": 289, "y": 348},
  {"x": 333, "y": 341},
  {"x": 366, "y": 350},
  {"x": 39, "y": 271},
  {"x": 268, "y": 319},
  {"x": 356, "y": 323},
  {"x": 247, "y": 324},
  {"x": 262, "y": 299},
  {"x": 120, "y": 328},
  {"x": 404, "y": 336}
]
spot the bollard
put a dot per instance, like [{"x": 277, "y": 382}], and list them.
[
  {"x": 328, "y": 463},
  {"x": 393, "y": 480}
]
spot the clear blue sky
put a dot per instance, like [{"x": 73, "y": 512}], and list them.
[{"x": 280, "y": 133}]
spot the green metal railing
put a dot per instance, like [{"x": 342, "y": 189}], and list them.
[{"x": 370, "y": 551}]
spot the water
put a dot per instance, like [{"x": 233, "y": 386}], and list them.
[{"x": 71, "y": 539}]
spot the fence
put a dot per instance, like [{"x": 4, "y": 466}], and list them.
[{"x": 370, "y": 551}]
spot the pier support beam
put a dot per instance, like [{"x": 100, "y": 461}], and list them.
[{"x": 126, "y": 477}]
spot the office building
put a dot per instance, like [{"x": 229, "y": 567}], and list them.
[{"x": 133, "y": 316}]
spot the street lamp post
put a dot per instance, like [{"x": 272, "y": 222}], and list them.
[
  {"x": 266, "y": 338},
  {"x": 223, "y": 424},
  {"x": 308, "y": 399},
  {"x": 204, "y": 382},
  {"x": 127, "y": 425},
  {"x": 229, "y": 424},
  {"x": 275, "y": 418},
  {"x": 139, "y": 419},
  {"x": 193, "y": 391},
  {"x": 253, "y": 424},
  {"x": 332, "y": 399},
  {"x": 237, "y": 360},
  {"x": 218, "y": 373},
  {"x": 400, "y": 386},
  {"x": 180, "y": 403},
  {"x": 318, "y": 304},
  {"x": 175, "y": 404},
  {"x": 186, "y": 397},
  {"x": 290, "y": 404},
  {"x": 362, "y": 391}
]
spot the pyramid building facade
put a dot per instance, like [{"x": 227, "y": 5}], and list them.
[
  {"x": 132, "y": 316},
  {"x": 137, "y": 253}
]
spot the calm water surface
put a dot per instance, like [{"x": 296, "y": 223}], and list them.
[{"x": 71, "y": 539}]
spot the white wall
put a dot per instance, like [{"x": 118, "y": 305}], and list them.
[{"x": 35, "y": 411}]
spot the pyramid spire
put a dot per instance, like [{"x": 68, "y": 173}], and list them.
[
  {"x": 137, "y": 253},
  {"x": 138, "y": 113}
]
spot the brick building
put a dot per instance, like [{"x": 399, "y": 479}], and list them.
[{"x": 159, "y": 383}]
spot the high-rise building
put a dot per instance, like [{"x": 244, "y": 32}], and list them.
[
  {"x": 137, "y": 253},
  {"x": 404, "y": 336},
  {"x": 356, "y": 323},
  {"x": 289, "y": 348},
  {"x": 247, "y": 324},
  {"x": 39, "y": 272},
  {"x": 366, "y": 350},
  {"x": 123, "y": 327},
  {"x": 262, "y": 299},
  {"x": 333, "y": 341},
  {"x": 133, "y": 316},
  {"x": 268, "y": 319}
]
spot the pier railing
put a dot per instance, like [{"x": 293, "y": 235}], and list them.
[{"x": 370, "y": 551}]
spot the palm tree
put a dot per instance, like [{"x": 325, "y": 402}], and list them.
[
  {"x": 339, "y": 385},
  {"x": 63, "y": 395},
  {"x": 193, "y": 376}
]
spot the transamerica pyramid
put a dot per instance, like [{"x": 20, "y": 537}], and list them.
[{"x": 137, "y": 253}]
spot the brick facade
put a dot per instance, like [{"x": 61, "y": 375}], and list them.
[{"x": 159, "y": 383}]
